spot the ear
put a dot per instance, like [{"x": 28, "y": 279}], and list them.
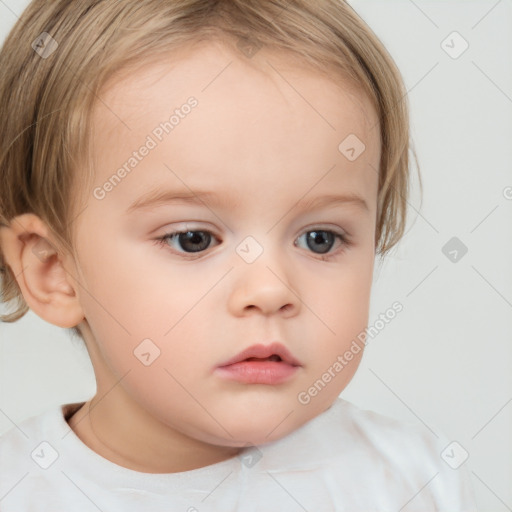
[{"x": 39, "y": 271}]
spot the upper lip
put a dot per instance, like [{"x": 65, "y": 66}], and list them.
[{"x": 263, "y": 351}]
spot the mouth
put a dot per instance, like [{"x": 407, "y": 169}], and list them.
[
  {"x": 274, "y": 351},
  {"x": 260, "y": 364},
  {"x": 273, "y": 357}
]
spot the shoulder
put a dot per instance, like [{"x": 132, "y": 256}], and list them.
[
  {"x": 395, "y": 459},
  {"x": 47, "y": 425},
  {"x": 30, "y": 452},
  {"x": 424, "y": 458},
  {"x": 18, "y": 441},
  {"x": 388, "y": 436}
]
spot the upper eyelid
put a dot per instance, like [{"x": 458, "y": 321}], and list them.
[{"x": 311, "y": 227}]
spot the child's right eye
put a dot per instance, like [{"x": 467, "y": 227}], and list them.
[{"x": 190, "y": 241}]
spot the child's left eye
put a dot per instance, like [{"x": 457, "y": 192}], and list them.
[
  {"x": 197, "y": 241},
  {"x": 324, "y": 240}
]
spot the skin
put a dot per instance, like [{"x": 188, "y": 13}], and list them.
[{"x": 261, "y": 144}]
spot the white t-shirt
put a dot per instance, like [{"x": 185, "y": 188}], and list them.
[{"x": 346, "y": 459}]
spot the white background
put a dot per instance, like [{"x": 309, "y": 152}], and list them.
[{"x": 445, "y": 360}]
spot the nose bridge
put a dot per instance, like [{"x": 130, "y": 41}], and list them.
[{"x": 263, "y": 277}]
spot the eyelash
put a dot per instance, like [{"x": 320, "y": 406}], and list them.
[{"x": 343, "y": 238}]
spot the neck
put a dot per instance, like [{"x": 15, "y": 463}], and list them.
[{"x": 133, "y": 442}]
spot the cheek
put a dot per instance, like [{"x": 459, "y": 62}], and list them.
[
  {"x": 341, "y": 305},
  {"x": 344, "y": 301},
  {"x": 126, "y": 292},
  {"x": 127, "y": 300}
]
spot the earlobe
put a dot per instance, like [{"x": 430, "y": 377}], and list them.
[{"x": 39, "y": 271}]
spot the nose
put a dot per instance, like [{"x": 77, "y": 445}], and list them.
[{"x": 265, "y": 286}]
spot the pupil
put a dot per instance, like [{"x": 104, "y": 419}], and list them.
[{"x": 319, "y": 237}]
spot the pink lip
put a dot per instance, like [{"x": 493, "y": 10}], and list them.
[{"x": 265, "y": 371}]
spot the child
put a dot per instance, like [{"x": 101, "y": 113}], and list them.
[{"x": 133, "y": 131}]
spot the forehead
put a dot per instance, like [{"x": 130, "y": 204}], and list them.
[
  {"x": 252, "y": 115},
  {"x": 212, "y": 69}
]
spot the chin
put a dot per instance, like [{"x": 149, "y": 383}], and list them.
[
  {"x": 250, "y": 430},
  {"x": 267, "y": 428},
  {"x": 250, "y": 437}
]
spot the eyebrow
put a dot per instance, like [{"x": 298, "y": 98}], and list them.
[{"x": 159, "y": 197}]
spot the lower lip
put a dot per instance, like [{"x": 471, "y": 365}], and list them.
[{"x": 258, "y": 372}]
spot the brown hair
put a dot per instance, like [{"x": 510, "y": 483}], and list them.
[{"x": 46, "y": 99}]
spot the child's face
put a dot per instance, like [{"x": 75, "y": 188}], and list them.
[{"x": 263, "y": 144}]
